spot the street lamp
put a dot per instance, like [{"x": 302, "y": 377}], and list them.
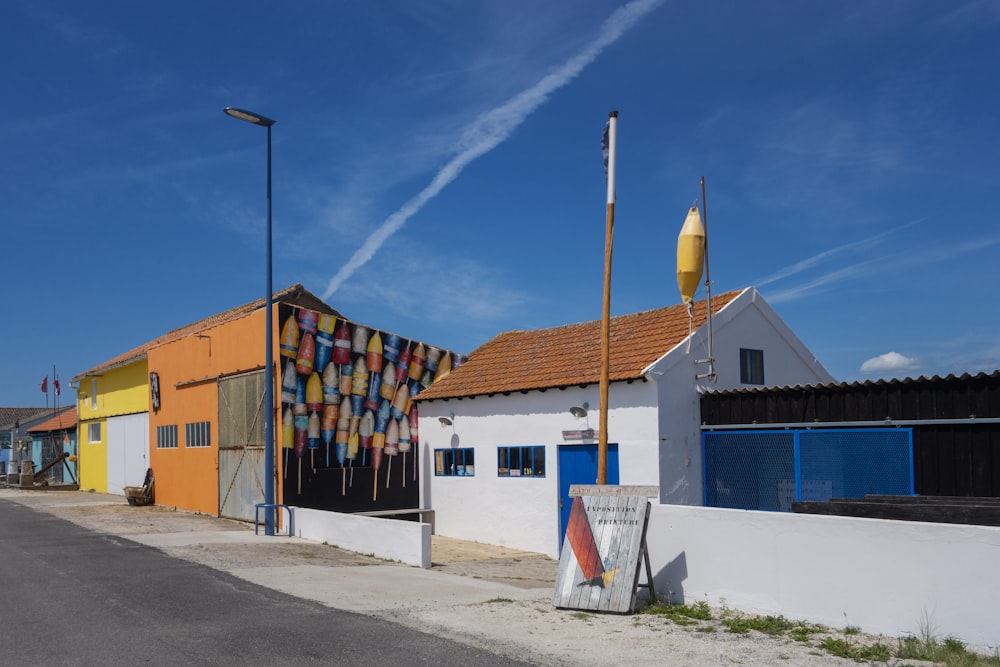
[{"x": 257, "y": 119}]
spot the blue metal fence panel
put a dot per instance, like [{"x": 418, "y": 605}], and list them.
[
  {"x": 768, "y": 470},
  {"x": 857, "y": 463},
  {"x": 745, "y": 469}
]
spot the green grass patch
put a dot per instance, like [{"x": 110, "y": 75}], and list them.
[
  {"x": 950, "y": 652},
  {"x": 499, "y": 600},
  {"x": 769, "y": 625},
  {"x": 844, "y": 649},
  {"x": 803, "y": 633},
  {"x": 681, "y": 614}
]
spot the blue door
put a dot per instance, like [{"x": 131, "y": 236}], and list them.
[{"x": 578, "y": 465}]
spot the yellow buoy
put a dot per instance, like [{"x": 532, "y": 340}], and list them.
[{"x": 690, "y": 255}]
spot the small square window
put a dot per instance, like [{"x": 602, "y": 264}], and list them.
[
  {"x": 751, "y": 366},
  {"x": 521, "y": 461},
  {"x": 198, "y": 434},
  {"x": 460, "y": 462},
  {"x": 94, "y": 432},
  {"x": 166, "y": 437}
]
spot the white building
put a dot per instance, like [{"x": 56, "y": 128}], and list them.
[{"x": 500, "y": 445}]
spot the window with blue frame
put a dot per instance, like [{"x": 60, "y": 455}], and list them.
[
  {"x": 458, "y": 462},
  {"x": 521, "y": 461}
]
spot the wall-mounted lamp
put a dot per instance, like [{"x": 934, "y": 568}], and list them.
[
  {"x": 447, "y": 421},
  {"x": 209, "y": 341},
  {"x": 579, "y": 411}
]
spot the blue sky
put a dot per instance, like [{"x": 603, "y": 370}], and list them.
[{"x": 437, "y": 165}]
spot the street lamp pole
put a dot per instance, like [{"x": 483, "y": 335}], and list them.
[{"x": 257, "y": 119}]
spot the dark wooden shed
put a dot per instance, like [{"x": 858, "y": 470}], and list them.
[{"x": 955, "y": 422}]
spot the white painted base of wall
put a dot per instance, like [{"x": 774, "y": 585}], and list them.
[
  {"x": 887, "y": 577},
  {"x": 408, "y": 542}
]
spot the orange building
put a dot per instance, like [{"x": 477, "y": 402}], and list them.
[{"x": 206, "y": 425}]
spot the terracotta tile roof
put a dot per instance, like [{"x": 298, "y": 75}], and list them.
[
  {"x": 571, "y": 355},
  {"x": 65, "y": 420},
  {"x": 296, "y": 295}
]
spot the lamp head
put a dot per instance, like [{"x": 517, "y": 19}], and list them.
[{"x": 249, "y": 116}]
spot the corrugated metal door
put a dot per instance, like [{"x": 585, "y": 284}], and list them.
[{"x": 241, "y": 445}]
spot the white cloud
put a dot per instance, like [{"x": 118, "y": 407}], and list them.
[{"x": 889, "y": 362}]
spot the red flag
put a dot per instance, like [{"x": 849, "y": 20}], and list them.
[
  {"x": 45, "y": 384},
  {"x": 55, "y": 385}
]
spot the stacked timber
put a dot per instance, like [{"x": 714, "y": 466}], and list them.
[{"x": 935, "y": 509}]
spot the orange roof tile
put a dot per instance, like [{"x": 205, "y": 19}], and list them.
[
  {"x": 295, "y": 295},
  {"x": 571, "y": 355},
  {"x": 64, "y": 420}
]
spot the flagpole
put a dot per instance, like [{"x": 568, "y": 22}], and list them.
[
  {"x": 711, "y": 374},
  {"x": 602, "y": 442}
]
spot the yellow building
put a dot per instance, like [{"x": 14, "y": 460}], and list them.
[{"x": 113, "y": 408}]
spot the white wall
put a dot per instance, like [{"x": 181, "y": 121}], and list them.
[
  {"x": 404, "y": 541},
  {"x": 882, "y": 576},
  {"x": 523, "y": 512},
  {"x": 746, "y": 322},
  {"x": 655, "y": 423}
]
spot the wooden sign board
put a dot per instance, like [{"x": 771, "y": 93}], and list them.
[
  {"x": 604, "y": 543},
  {"x": 586, "y": 434}
]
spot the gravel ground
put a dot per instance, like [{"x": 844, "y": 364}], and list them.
[{"x": 519, "y": 622}]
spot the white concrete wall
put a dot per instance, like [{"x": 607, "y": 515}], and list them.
[
  {"x": 891, "y": 577},
  {"x": 746, "y": 322},
  {"x": 523, "y": 512},
  {"x": 392, "y": 539}
]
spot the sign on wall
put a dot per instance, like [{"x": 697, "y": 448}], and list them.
[{"x": 605, "y": 540}]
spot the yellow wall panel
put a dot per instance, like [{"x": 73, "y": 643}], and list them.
[
  {"x": 120, "y": 391},
  {"x": 93, "y": 457}
]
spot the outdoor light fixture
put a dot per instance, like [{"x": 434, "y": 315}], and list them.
[
  {"x": 447, "y": 421},
  {"x": 257, "y": 119},
  {"x": 579, "y": 411},
  {"x": 249, "y": 116}
]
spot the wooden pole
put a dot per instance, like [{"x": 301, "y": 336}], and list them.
[{"x": 602, "y": 442}]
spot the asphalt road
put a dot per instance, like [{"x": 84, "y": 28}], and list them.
[{"x": 69, "y": 596}]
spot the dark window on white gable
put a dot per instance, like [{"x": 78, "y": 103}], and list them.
[{"x": 751, "y": 366}]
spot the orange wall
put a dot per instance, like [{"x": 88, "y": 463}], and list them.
[{"x": 188, "y": 478}]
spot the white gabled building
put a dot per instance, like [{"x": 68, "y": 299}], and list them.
[{"x": 499, "y": 443}]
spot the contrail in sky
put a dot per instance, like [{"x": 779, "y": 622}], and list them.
[{"x": 492, "y": 128}]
